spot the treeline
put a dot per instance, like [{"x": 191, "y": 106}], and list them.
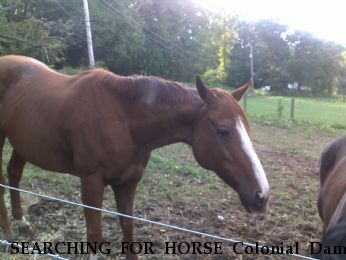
[{"x": 175, "y": 39}]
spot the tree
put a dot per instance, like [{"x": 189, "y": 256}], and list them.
[
  {"x": 270, "y": 51},
  {"x": 26, "y": 31},
  {"x": 175, "y": 39},
  {"x": 315, "y": 64},
  {"x": 222, "y": 37},
  {"x": 175, "y": 33}
]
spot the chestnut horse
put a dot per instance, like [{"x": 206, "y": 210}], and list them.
[
  {"x": 102, "y": 127},
  {"x": 332, "y": 196}
]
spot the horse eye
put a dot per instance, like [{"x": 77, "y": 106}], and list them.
[{"x": 222, "y": 132}]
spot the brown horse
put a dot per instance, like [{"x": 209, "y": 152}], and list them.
[
  {"x": 102, "y": 127},
  {"x": 332, "y": 196}
]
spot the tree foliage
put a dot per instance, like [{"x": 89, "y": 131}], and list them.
[
  {"x": 281, "y": 58},
  {"x": 175, "y": 39}
]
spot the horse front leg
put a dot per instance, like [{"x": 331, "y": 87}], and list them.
[
  {"x": 124, "y": 196},
  {"x": 15, "y": 171},
  {"x": 5, "y": 223},
  {"x": 92, "y": 189}
]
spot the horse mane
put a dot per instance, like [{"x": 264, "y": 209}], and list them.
[
  {"x": 152, "y": 90},
  {"x": 146, "y": 89}
]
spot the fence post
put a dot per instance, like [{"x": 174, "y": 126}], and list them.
[
  {"x": 280, "y": 108},
  {"x": 292, "y": 108},
  {"x": 245, "y": 102}
]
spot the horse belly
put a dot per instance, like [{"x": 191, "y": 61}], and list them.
[
  {"x": 45, "y": 154},
  {"x": 38, "y": 143}
]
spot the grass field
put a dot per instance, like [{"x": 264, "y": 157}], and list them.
[{"x": 326, "y": 113}]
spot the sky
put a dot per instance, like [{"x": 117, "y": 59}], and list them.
[{"x": 324, "y": 19}]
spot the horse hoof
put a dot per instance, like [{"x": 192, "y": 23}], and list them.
[{"x": 27, "y": 230}]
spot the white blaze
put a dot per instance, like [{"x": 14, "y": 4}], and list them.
[{"x": 256, "y": 164}]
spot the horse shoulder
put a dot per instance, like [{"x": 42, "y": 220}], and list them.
[{"x": 99, "y": 131}]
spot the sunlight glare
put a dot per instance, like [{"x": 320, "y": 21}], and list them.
[{"x": 324, "y": 19}]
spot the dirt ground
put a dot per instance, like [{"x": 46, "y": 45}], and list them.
[{"x": 291, "y": 215}]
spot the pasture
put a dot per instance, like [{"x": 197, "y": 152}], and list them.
[
  {"x": 175, "y": 190},
  {"x": 326, "y": 113}
]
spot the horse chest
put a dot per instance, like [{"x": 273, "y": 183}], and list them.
[
  {"x": 96, "y": 152},
  {"x": 114, "y": 170},
  {"x": 116, "y": 159}
]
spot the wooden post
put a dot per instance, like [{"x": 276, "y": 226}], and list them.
[
  {"x": 292, "y": 108},
  {"x": 245, "y": 102}
]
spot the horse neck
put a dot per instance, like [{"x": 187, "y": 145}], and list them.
[{"x": 163, "y": 123}]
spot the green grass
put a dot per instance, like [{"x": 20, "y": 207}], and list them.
[
  {"x": 170, "y": 171},
  {"x": 326, "y": 113},
  {"x": 71, "y": 70}
]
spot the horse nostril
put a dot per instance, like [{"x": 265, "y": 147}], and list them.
[{"x": 259, "y": 200}]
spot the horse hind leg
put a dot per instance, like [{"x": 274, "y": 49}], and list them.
[
  {"x": 5, "y": 223},
  {"x": 15, "y": 170}
]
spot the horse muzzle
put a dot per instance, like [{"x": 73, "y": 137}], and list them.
[{"x": 256, "y": 203}]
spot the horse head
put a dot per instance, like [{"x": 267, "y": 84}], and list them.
[{"x": 221, "y": 143}]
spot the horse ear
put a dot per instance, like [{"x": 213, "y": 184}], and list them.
[
  {"x": 203, "y": 90},
  {"x": 240, "y": 92}
]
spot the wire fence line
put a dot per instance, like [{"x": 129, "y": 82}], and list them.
[{"x": 229, "y": 240}]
